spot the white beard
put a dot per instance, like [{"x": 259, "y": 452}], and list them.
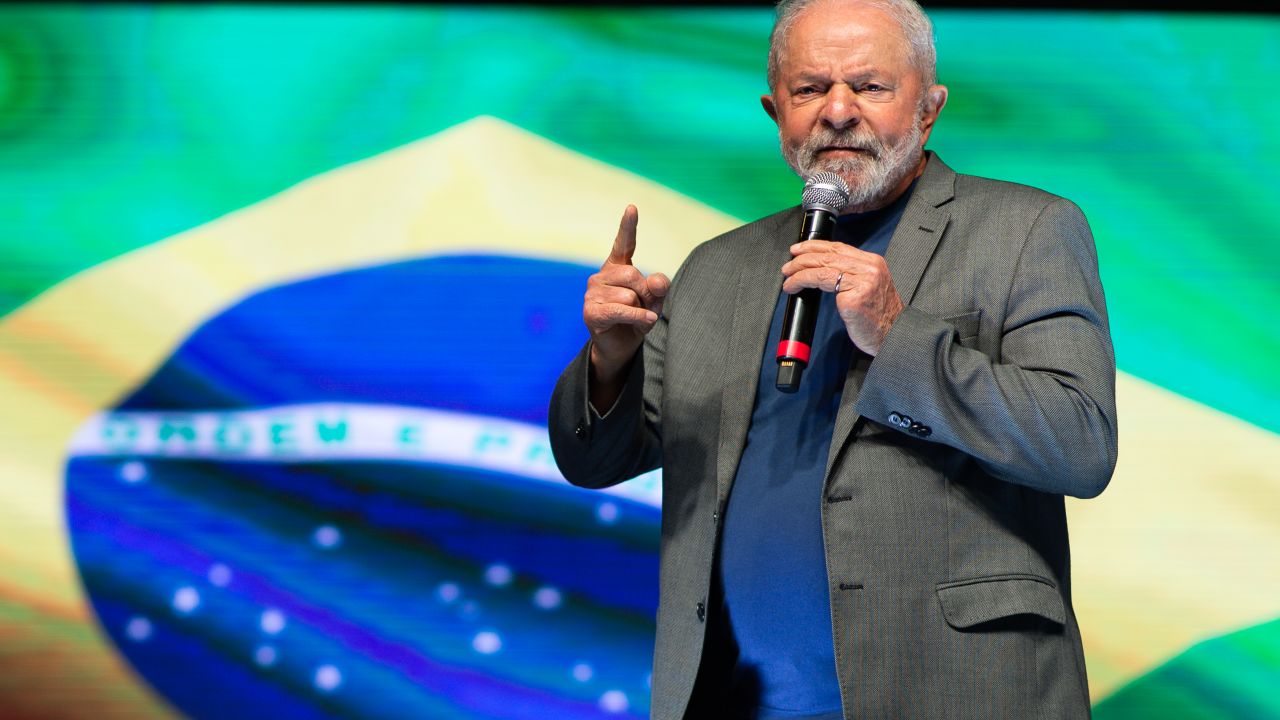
[{"x": 871, "y": 175}]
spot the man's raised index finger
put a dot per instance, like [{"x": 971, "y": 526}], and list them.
[{"x": 624, "y": 245}]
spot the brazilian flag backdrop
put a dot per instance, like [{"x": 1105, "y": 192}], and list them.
[{"x": 284, "y": 290}]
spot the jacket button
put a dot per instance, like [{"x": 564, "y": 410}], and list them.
[
  {"x": 920, "y": 429},
  {"x": 715, "y": 516},
  {"x": 895, "y": 419},
  {"x": 581, "y": 430},
  {"x": 702, "y": 612}
]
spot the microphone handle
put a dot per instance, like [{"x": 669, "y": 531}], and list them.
[{"x": 801, "y": 314}]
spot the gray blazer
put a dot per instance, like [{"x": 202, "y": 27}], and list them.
[{"x": 992, "y": 397}]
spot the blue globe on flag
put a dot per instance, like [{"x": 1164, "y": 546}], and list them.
[{"x": 337, "y": 497}]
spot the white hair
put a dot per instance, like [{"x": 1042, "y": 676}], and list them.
[{"x": 907, "y": 13}]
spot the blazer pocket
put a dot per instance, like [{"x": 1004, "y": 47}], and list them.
[
  {"x": 966, "y": 324},
  {"x": 967, "y": 603}
]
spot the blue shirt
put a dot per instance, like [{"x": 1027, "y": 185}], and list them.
[{"x": 772, "y": 566}]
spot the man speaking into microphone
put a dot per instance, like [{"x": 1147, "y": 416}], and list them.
[{"x": 887, "y": 539}]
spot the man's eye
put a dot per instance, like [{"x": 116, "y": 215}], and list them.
[
  {"x": 873, "y": 88},
  {"x": 806, "y": 90}
]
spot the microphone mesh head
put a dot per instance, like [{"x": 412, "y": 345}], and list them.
[{"x": 825, "y": 191}]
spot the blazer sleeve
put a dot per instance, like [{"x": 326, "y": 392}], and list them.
[
  {"x": 594, "y": 450},
  {"x": 1041, "y": 414}
]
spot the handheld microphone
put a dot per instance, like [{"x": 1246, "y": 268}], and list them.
[{"x": 825, "y": 195}]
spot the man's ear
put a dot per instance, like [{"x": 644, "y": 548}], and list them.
[
  {"x": 937, "y": 100},
  {"x": 766, "y": 101}
]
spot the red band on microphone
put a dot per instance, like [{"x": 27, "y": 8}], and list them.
[{"x": 794, "y": 350}]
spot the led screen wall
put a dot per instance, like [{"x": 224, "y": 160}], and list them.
[{"x": 283, "y": 292}]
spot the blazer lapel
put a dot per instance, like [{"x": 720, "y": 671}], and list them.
[
  {"x": 914, "y": 241},
  {"x": 922, "y": 225},
  {"x": 759, "y": 282}
]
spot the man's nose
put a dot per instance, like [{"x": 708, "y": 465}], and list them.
[{"x": 841, "y": 109}]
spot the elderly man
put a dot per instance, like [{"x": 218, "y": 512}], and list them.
[{"x": 889, "y": 542}]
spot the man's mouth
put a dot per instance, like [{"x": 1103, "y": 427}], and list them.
[{"x": 843, "y": 148}]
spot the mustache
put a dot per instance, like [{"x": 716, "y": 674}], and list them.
[{"x": 826, "y": 138}]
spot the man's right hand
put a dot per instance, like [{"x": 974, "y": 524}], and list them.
[{"x": 621, "y": 306}]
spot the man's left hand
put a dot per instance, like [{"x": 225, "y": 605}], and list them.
[{"x": 866, "y": 299}]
